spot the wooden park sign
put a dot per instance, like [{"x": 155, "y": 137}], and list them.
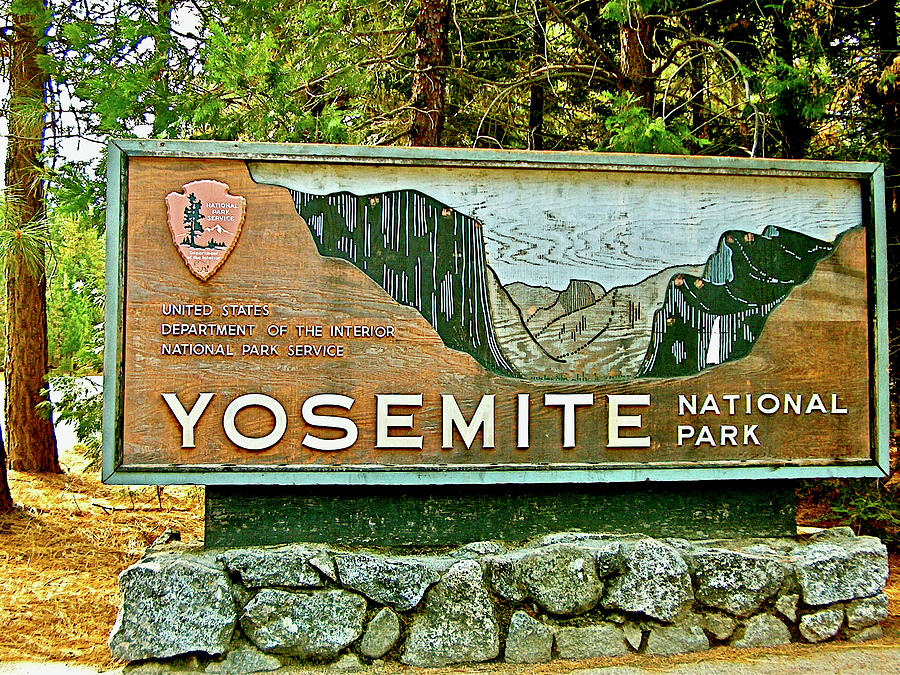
[{"x": 342, "y": 315}]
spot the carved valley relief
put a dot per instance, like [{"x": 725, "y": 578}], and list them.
[{"x": 621, "y": 301}]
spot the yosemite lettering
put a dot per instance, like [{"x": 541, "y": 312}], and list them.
[{"x": 393, "y": 413}]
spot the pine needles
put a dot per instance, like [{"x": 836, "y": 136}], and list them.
[{"x": 61, "y": 553}]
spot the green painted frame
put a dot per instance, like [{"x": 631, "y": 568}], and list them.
[{"x": 870, "y": 175}]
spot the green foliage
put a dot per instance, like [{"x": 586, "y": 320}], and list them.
[
  {"x": 76, "y": 193},
  {"x": 632, "y": 129},
  {"x": 75, "y": 299},
  {"x": 803, "y": 85},
  {"x": 870, "y": 507},
  {"x": 81, "y": 404},
  {"x": 28, "y": 240},
  {"x": 75, "y": 305},
  {"x": 282, "y": 72},
  {"x": 621, "y": 10},
  {"x": 35, "y": 12},
  {"x": 340, "y": 71},
  {"x": 723, "y": 80},
  {"x": 252, "y": 70}
]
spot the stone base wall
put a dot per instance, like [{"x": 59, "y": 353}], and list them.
[{"x": 565, "y": 596}]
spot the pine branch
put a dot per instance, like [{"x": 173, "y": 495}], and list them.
[{"x": 612, "y": 65}]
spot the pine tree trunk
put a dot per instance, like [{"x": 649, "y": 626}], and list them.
[
  {"x": 31, "y": 442},
  {"x": 635, "y": 46},
  {"x": 6, "y": 501},
  {"x": 432, "y": 58},
  {"x": 536, "y": 97}
]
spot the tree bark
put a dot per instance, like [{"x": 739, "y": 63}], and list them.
[
  {"x": 635, "y": 46},
  {"x": 889, "y": 49},
  {"x": 432, "y": 59},
  {"x": 536, "y": 95},
  {"x": 30, "y": 438},
  {"x": 6, "y": 500}
]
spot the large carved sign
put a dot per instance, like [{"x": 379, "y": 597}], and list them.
[{"x": 308, "y": 314}]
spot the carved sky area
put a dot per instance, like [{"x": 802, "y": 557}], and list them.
[{"x": 549, "y": 227}]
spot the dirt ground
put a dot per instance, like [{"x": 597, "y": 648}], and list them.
[
  {"x": 61, "y": 551},
  {"x": 60, "y": 555}
]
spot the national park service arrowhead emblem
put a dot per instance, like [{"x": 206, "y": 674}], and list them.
[{"x": 205, "y": 222}]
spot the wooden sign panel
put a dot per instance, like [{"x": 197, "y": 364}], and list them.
[{"x": 311, "y": 314}]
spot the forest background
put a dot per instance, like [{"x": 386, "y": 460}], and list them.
[{"x": 792, "y": 79}]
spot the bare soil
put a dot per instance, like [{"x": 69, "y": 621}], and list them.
[{"x": 62, "y": 549}]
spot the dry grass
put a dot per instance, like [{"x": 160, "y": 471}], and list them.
[
  {"x": 893, "y": 593},
  {"x": 61, "y": 552}
]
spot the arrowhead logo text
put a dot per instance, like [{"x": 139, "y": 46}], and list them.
[{"x": 205, "y": 222}]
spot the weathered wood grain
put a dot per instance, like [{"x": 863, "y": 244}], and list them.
[{"x": 815, "y": 342}]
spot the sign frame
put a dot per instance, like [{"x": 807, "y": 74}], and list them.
[{"x": 870, "y": 176}]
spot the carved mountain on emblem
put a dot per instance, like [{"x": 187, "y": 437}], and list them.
[{"x": 202, "y": 245}]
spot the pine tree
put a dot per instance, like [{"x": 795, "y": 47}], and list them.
[
  {"x": 192, "y": 218},
  {"x": 31, "y": 441}
]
